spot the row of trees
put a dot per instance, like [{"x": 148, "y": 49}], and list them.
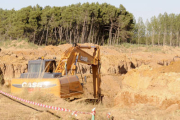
[
  {"x": 161, "y": 30},
  {"x": 95, "y": 23}
]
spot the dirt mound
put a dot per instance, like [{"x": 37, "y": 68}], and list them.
[
  {"x": 155, "y": 86},
  {"x": 173, "y": 67}
]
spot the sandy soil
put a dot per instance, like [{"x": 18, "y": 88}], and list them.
[{"x": 138, "y": 83}]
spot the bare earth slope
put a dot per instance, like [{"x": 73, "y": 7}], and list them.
[{"x": 137, "y": 83}]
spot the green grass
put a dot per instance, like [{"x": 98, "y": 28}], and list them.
[
  {"x": 153, "y": 49},
  {"x": 62, "y": 42},
  {"x": 20, "y": 43},
  {"x": 32, "y": 45},
  {"x": 128, "y": 47},
  {"x": 5, "y": 43}
]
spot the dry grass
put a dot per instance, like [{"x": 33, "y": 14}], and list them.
[
  {"x": 5, "y": 89},
  {"x": 37, "y": 96},
  {"x": 22, "y": 44}
]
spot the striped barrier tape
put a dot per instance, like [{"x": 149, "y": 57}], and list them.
[
  {"x": 108, "y": 116},
  {"x": 50, "y": 107}
]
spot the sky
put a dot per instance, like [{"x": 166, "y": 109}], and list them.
[{"x": 139, "y": 8}]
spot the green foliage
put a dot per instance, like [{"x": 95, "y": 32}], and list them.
[
  {"x": 161, "y": 30},
  {"x": 96, "y": 23},
  {"x": 140, "y": 32}
]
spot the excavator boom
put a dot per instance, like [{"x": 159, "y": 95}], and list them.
[{"x": 76, "y": 54}]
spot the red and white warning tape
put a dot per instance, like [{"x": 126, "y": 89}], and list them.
[
  {"x": 108, "y": 116},
  {"x": 50, "y": 107}
]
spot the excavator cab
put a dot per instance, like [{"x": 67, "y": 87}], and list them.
[{"x": 41, "y": 68}]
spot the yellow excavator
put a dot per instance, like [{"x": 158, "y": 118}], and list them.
[{"x": 60, "y": 80}]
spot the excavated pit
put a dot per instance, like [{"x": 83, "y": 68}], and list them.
[
  {"x": 159, "y": 87},
  {"x": 128, "y": 79}
]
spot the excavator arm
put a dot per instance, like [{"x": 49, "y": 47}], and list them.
[{"x": 75, "y": 54}]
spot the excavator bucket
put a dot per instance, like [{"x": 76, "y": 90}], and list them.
[{"x": 64, "y": 87}]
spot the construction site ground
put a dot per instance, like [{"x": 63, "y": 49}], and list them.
[{"x": 138, "y": 83}]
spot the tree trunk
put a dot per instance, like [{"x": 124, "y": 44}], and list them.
[
  {"x": 56, "y": 36},
  {"x": 89, "y": 38},
  {"x": 146, "y": 38},
  {"x": 170, "y": 39},
  {"x": 95, "y": 39},
  {"x": 178, "y": 38},
  {"x": 98, "y": 40},
  {"x": 164, "y": 39},
  {"x": 93, "y": 36},
  {"x": 77, "y": 35},
  {"x": 110, "y": 32},
  {"x": 117, "y": 37},
  {"x": 60, "y": 34},
  {"x": 34, "y": 36},
  {"x": 153, "y": 38},
  {"x": 67, "y": 33},
  {"x": 83, "y": 31},
  {"x": 40, "y": 43},
  {"x": 70, "y": 36},
  {"x": 74, "y": 34},
  {"x": 138, "y": 37},
  {"x": 103, "y": 38},
  {"x": 46, "y": 36},
  {"x": 114, "y": 40},
  {"x": 159, "y": 38},
  {"x": 85, "y": 34}
]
